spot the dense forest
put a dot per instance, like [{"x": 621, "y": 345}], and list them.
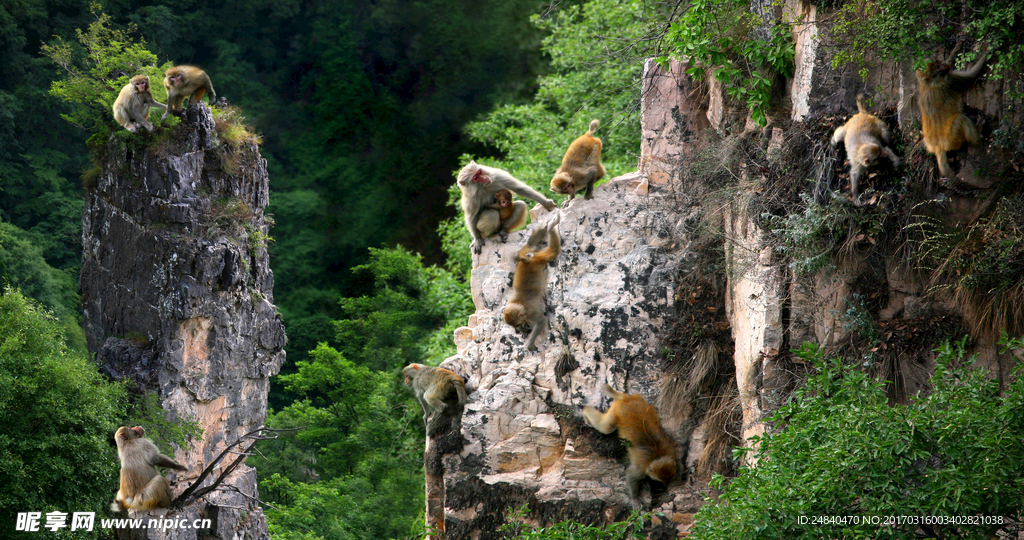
[{"x": 365, "y": 110}]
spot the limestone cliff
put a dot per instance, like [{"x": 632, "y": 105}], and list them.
[
  {"x": 674, "y": 283},
  {"x": 177, "y": 294}
]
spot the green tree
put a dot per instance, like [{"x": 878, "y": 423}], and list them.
[
  {"x": 355, "y": 470},
  {"x": 597, "y": 52},
  {"x": 57, "y": 414},
  {"x": 23, "y": 266},
  {"x": 842, "y": 450}
]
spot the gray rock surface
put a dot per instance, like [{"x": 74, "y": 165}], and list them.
[{"x": 178, "y": 297}]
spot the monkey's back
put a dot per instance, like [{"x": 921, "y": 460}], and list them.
[
  {"x": 638, "y": 423},
  {"x": 941, "y": 112},
  {"x": 863, "y": 128},
  {"x": 580, "y": 153}
]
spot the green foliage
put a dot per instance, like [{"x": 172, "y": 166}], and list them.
[
  {"x": 567, "y": 530},
  {"x": 812, "y": 237},
  {"x": 22, "y": 266},
  {"x": 355, "y": 470},
  {"x": 97, "y": 70},
  {"x": 148, "y": 412},
  {"x": 597, "y": 50},
  {"x": 57, "y": 416},
  {"x": 409, "y": 318},
  {"x": 745, "y": 51},
  {"x": 915, "y": 29},
  {"x": 842, "y": 450}
]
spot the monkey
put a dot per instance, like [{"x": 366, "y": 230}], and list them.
[
  {"x": 581, "y": 165},
  {"x": 478, "y": 184},
  {"x": 511, "y": 214},
  {"x": 866, "y": 138},
  {"x": 940, "y": 93},
  {"x": 131, "y": 108},
  {"x": 526, "y": 306},
  {"x": 652, "y": 452},
  {"x": 436, "y": 389},
  {"x": 142, "y": 487},
  {"x": 186, "y": 82}
]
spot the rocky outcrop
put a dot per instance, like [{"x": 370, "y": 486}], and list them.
[
  {"x": 177, "y": 296},
  {"x": 611, "y": 295},
  {"x": 632, "y": 275}
]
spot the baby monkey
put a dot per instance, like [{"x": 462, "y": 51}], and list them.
[
  {"x": 441, "y": 393},
  {"x": 866, "y": 138},
  {"x": 652, "y": 453},
  {"x": 581, "y": 165},
  {"x": 511, "y": 214}
]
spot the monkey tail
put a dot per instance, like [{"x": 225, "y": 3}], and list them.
[
  {"x": 593, "y": 126},
  {"x": 861, "y": 107},
  {"x": 610, "y": 392}
]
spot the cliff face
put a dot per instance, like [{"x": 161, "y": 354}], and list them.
[
  {"x": 645, "y": 299},
  {"x": 178, "y": 297}
]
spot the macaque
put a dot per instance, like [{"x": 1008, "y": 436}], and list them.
[
  {"x": 478, "y": 184},
  {"x": 441, "y": 393},
  {"x": 131, "y": 108},
  {"x": 866, "y": 138},
  {"x": 652, "y": 452},
  {"x": 511, "y": 214},
  {"x": 526, "y": 306},
  {"x": 940, "y": 93},
  {"x": 581, "y": 165},
  {"x": 186, "y": 82},
  {"x": 142, "y": 487}
]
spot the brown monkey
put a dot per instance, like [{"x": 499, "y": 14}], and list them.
[
  {"x": 441, "y": 393},
  {"x": 526, "y": 306},
  {"x": 866, "y": 138},
  {"x": 131, "y": 108},
  {"x": 652, "y": 452},
  {"x": 142, "y": 487},
  {"x": 940, "y": 93},
  {"x": 186, "y": 82},
  {"x": 478, "y": 184},
  {"x": 511, "y": 214},
  {"x": 581, "y": 165}
]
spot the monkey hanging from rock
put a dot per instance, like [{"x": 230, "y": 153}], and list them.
[
  {"x": 478, "y": 184},
  {"x": 940, "y": 92},
  {"x": 866, "y": 138},
  {"x": 511, "y": 214},
  {"x": 131, "y": 108},
  {"x": 581, "y": 165},
  {"x": 186, "y": 82},
  {"x": 142, "y": 486},
  {"x": 441, "y": 393},
  {"x": 652, "y": 453},
  {"x": 526, "y": 307}
]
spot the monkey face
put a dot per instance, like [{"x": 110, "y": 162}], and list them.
[
  {"x": 503, "y": 198},
  {"x": 562, "y": 183},
  {"x": 515, "y": 315},
  {"x": 480, "y": 177}
]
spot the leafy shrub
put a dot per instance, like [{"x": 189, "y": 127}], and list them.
[{"x": 841, "y": 450}]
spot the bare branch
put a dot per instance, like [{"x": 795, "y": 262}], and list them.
[{"x": 194, "y": 492}]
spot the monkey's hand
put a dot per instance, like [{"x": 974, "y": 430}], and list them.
[
  {"x": 477, "y": 245},
  {"x": 503, "y": 235},
  {"x": 549, "y": 205}
]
